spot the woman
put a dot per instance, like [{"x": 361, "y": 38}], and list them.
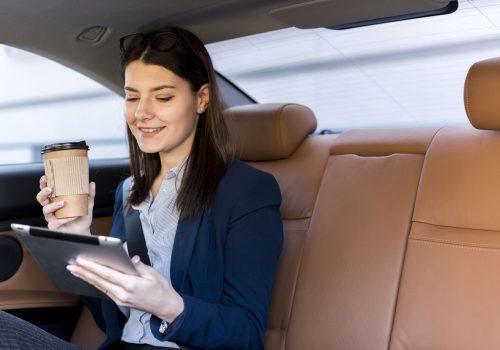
[{"x": 211, "y": 223}]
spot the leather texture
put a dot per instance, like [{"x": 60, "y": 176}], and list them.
[
  {"x": 481, "y": 93},
  {"x": 382, "y": 142},
  {"x": 460, "y": 186},
  {"x": 268, "y": 131},
  {"x": 299, "y": 178},
  {"x": 349, "y": 276},
  {"x": 300, "y": 175},
  {"x": 450, "y": 285},
  {"x": 275, "y": 138}
]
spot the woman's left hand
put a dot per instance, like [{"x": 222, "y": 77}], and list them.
[{"x": 149, "y": 291}]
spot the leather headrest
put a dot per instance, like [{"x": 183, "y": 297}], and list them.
[
  {"x": 272, "y": 131},
  {"x": 481, "y": 94}
]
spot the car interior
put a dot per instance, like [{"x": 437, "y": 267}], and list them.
[{"x": 391, "y": 235}]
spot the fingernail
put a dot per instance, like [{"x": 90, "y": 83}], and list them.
[
  {"x": 136, "y": 259},
  {"x": 47, "y": 189},
  {"x": 60, "y": 204},
  {"x": 72, "y": 271},
  {"x": 80, "y": 261}
]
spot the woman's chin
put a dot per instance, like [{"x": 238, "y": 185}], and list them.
[{"x": 149, "y": 149}]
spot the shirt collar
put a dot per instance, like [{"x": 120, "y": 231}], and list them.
[{"x": 175, "y": 172}]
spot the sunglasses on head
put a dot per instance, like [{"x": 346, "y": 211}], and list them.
[{"x": 162, "y": 41}]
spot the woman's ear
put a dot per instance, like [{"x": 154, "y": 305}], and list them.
[{"x": 203, "y": 98}]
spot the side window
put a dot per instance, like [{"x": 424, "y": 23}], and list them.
[{"x": 44, "y": 102}]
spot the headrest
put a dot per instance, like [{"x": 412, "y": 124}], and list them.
[
  {"x": 272, "y": 131},
  {"x": 481, "y": 94}
]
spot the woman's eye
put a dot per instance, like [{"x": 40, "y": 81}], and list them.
[
  {"x": 164, "y": 99},
  {"x": 131, "y": 98}
]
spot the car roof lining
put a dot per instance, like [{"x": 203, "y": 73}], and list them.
[{"x": 51, "y": 30}]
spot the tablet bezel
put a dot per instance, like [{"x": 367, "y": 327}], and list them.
[{"x": 54, "y": 250}]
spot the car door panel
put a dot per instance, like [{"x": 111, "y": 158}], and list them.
[{"x": 29, "y": 293}]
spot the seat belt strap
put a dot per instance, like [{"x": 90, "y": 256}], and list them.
[{"x": 136, "y": 242}]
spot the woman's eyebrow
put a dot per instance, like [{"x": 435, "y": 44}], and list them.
[
  {"x": 161, "y": 87},
  {"x": 156, "y": 88}
]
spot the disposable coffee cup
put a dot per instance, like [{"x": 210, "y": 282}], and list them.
[{"x": 67, "y": 171}]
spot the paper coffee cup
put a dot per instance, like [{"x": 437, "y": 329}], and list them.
[{"x": 67, "y": 171}]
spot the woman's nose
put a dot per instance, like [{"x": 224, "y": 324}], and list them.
[{"x": 143, "y": 111}]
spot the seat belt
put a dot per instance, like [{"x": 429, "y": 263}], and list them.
[{"x": 136, "y": 243}]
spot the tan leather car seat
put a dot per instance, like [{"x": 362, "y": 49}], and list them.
[
  {"x": 349, "y": 277},
  {"x": 274, "y": 138},
  {"x": 449, "y": 296}
]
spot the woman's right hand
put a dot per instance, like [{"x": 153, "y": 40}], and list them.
[{"x": 79, "y": 224}]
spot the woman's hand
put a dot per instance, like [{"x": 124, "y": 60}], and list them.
[
  {"x": 79, "y": 224},
  {"x": 149, "y": 291}
]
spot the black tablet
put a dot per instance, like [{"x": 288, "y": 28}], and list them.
[{"x": 54, "y": 250}]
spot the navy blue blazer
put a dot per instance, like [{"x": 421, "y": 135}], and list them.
[{"x": 223, "y": 265}]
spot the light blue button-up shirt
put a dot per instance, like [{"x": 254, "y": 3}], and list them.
[{"x": 159, "y": 220}]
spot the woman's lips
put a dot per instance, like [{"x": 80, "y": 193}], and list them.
[{"x": 150, "y": 132}]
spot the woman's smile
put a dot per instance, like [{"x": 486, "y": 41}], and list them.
[{"x": 148, "y": 132}]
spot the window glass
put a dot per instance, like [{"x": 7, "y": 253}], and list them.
[
  {"x": 44, "y": 102},
  {"x": 405, "y": 73}
]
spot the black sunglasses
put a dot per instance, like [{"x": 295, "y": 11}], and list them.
[{"x": 162, "y": 41}]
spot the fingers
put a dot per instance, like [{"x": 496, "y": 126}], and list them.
[
  {"x": 143, "y": 269},
  {"x": 104, "y": 273},
  {"x": 50, "y": 208},
  {"x": 43, "y": 197},
  {"x": 111, "y": 282},
  {"x": 43, "y": 182},
  {"x": 92, "y": 189},
  {"x": 48, "y": 212},
  {"x": 93, "y": 279},
  {"x": 45, "y": 200},
  {"x": 92, "y": 192}
]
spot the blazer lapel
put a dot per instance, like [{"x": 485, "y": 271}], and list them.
[{"x": 185, "y": 240}]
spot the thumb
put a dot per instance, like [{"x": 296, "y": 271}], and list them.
[{"x": 141, "y": 268}]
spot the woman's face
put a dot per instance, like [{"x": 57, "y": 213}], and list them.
[{"x": 161, "y": 109}]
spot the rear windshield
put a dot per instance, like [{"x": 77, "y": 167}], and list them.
[{"x": 407, "y": 73}]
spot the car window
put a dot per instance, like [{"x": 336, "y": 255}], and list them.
[
  {"x": 405, "y": 73},
  {"x": 44, "y": 102}
]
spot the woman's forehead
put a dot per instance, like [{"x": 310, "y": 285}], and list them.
[{"x": 139, "y": 74}]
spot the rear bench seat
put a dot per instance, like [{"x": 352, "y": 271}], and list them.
[
  {"x": 450, "y": 288},
  {"x": 404, "y": 244},
  {"x": 392, "y": 237},
  {"x": 348, "y": 282}
]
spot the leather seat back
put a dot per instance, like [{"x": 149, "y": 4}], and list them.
[
  {"x": 449, "y": 294},
  {"x": 274, "y": 138},
  {"x": 349, "y": 276}
]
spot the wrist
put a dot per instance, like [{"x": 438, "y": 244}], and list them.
[{"x": 172, "y": 310}]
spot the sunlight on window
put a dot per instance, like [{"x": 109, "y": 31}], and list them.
[{"x": 43, "y": 102}]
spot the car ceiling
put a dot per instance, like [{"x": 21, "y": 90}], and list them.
[{"x": 51, "y": 27}]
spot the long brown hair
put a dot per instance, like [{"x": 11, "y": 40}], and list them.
[{"x": 211, "y": 151}]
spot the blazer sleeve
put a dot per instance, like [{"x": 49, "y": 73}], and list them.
[{"x": 251, "y": 251}]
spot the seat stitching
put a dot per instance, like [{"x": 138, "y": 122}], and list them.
[{"x": 454, "y": 244}]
